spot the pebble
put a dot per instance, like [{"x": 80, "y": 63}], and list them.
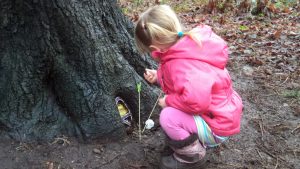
[
  {"x": 248, "y": 71},
  {"x": 97, "y": 151},
  {"x": 247, "y": 51}
]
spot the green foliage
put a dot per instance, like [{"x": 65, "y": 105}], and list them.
[
  {"x": 283, "y": 3},
  {"x": 138, "y": 2},
  {"x": 125, "y": 11},
  {"x": 244, "y": 28},
  {"x": 182, "y": 7},
  {"x": 199, "y": 2},
  {"x": 220, "y": 5},
  {"x": 164, "y": 1},
  {"x": 279, "y": 5},
  {"x": 139, "y": 87},
  {"x": 186, "y": 6},
  {"x": 292, "y": 94}
]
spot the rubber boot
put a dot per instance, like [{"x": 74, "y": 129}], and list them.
[
  {"x": 188, "y": 154},
  {"x": 166, "y": 150}
]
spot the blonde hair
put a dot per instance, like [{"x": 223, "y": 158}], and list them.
[{"x": 158, "y": 25}]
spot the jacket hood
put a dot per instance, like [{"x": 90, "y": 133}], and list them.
[{"x": 209, "y": 48}]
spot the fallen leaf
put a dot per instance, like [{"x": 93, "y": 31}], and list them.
[
  {"x": 268, "y": 71},
  {"x": 254, "y": 61},
  {"x": 50, "y": 165},
  {"x": 272, "y": 8},
  {"x": 222, "y": 20},
  {"x": 286, "y": 10},
  {"x": 277, "y": 34}
]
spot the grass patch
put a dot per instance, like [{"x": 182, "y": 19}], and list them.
[
  {"x": 243, "y": 28},
  {"x": 292, "y": 94},
  {"x": 185, "y": 6}
]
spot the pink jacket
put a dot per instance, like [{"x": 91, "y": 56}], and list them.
[{"x": 195, "y": 80}]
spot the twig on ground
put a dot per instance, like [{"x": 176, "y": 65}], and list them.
[
  {"x": 293, "y": 101},
  {"x": 284, "y": 81},
  {"x": 64, "y": 139},
  {"x": 110, "y": 160},
  {"x": 138, "y": 166},
  {"x": 261, "y": 126},
  {"x": 295, "y": 128},
  {"x": 295, "y": 152},
  {"x": 139, "y": 88},
  {"x": 272, "y": 155},
  {"x": 23, "y": 147},
  {"x": 153, "y": 109},
  {"x": 234, "y": 165},
  {"x": 276, "y": 164},
  {"x": 258, "y": 152}
]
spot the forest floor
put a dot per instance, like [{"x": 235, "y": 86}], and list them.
[{"x": 265, "y": 69}]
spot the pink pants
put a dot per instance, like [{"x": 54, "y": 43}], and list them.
[{"x": 177, "y": 124}]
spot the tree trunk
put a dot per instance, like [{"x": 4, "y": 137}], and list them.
[{"x": 62, "y": 63}]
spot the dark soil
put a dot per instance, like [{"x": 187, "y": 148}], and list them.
[{"x": 265, "y": 69}]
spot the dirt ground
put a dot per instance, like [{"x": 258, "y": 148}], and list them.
[{"x": 265, "y": 68}]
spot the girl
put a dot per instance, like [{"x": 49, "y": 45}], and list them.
[{"x": 200, "y": 107}]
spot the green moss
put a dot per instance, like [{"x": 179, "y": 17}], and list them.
[{"x": 292, "y": 94}]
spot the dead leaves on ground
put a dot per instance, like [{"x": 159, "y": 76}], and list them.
[{"x": 269, "y": 45}]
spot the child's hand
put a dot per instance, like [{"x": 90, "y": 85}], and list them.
[
  {"x": 162, "y": 102},
  {"x": 151, "y": 75}
]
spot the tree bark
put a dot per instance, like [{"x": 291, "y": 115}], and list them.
[{"x": 62, "y": 63}]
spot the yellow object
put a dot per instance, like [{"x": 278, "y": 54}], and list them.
[{"x": 122, "y": 109}]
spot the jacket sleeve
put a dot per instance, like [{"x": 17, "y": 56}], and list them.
[{"x": 192, "y": 91}]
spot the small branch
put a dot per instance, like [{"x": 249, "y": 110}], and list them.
[
  {"x": 64, "y": 139},
  {"x": 234, "y": 165},
  {"x": 276, "y": 164},
  {"x": 111, "y": 160},
  {"x": 295, "y": 128},
  {"x": 153, "y": 109},
  {"x": 273, "y": 156},
  {"x": 261, "y": 125},
  {"x": 284, "y": 81},
  {"x": 138, "y": 166},
  {"x": 139, "y": 88},
  {"x": 259, "y": 153},
  {"x": 140, "y": 135}
]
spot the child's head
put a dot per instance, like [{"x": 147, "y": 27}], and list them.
[{"x": 158, "y": 27}]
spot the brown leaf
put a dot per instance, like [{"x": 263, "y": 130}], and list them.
[
  {"x": 254, "y": 61},
  {"x": 272, "y": 8},
  {"x": 286, "y": 10},
  {"x": 157, "y": 2},
  {"x": 268, "y": 71},
  {"x": 244, "y": 6},
  {"x": 211, "y": 6},
  {"x": 277, "y": 34},
  {"x": 198, "y": 19},
  {"x": 222, "y": 20}
]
